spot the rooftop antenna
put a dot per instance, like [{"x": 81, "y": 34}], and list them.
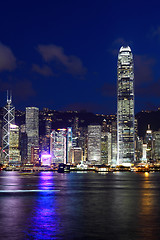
[{"x": 9, "y": 98}]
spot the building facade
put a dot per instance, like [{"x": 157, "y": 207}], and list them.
[
  {"x": 76, "y": 154},
  {"x": 114, "y": 143},
  {"x": 46, "y": 138},
  {"x": 8, "y": 119},
  {"x": 104, "y": 148},
  {"x": 94, "y": 144},
  {"x": 69, "y": 143},
  {"x": 32, "y": 129},
  {"x": 156, "y": 145},
  {"x": 58, "y": 146},
  {"x": 14, "y": 151},
  {"x": 125, "y": 107},
  {"x": 23, "y": 144},
  {"x": 149, "y": 141}
]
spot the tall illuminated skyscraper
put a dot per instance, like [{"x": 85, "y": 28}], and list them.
[
  {"x": 8, "y": 118},
  {"x": 125, "y": 107},
  {"x": 46, "y": 138},
  {"x": 94, "y": 144},
  {"x": 69, "y": 142},
  {"x": 32, "y": 129},
  {"x": 14, "y": 152},
  {"x": 58, "y": 146}
]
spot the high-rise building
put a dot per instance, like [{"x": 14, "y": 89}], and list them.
[
  {"x": 69, "y": 142},
  {"x": 75, "y": 132},
  {"x": 125, "y": 107},
  {"x": 46, "y": 137},
  {"x": 35, "y": 160},
  {"x": 94, "y": 144},
  {"x": 138, "y": 148},
  {"x": 109, "y": 144},
  {"x": 156, "y": 145},
  {"x": 23, "y": 144},
  {"x": 58, "y": 146},
  {"x": 149, "y": 141},
  {"x": 144, "y": 155},
  {"x": 8, "y": 118},
  {"x": 32, "y": 129},
  {"x": 82, "y": 141},
  {"x": 14, "y": 152},
  {"x": 106, "y": 148},
  {"x": 76, "y": 155},
  {"x": 1, "y": 134},
  {"x": 114, "y": 143}
]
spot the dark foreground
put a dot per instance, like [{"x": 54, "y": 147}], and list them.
[{"x": 79, "y": 206}]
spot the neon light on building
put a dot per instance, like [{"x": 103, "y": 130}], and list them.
[{"x": 46, "y": 159}]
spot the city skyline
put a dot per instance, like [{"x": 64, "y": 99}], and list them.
[{"x": 64, "y": 55}]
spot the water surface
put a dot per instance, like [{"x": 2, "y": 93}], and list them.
[{"x": 89, "y": 205}]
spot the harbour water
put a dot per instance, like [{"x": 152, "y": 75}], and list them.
[{"x": 49, "y": 205}]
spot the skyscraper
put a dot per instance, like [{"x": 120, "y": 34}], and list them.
[
  {"x": 32, "y": 129},
  {"x": 94, "y": 144},
  {"x": 23, "y": 144},
  {"x": 8, "y": 118},
  {"x": 69, "y": 142},
  {"x": 76, "y": 155},
  {"x": 114, "y": 143},
  {"x": 156, "y": 146},
  {"x": 149, "y": 141},
  {"x": 58, "y": 146},
  {"x": 14, "y": 152},
  {"x": 46, "y": 137},
  {"x": 125, "y": 107}
]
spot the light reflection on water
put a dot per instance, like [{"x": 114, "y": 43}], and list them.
[
  {"x": 44, "y": 222},
  {"x": 80, "y": 206}
]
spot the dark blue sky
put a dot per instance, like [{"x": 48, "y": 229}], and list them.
[{"x": 63, "y": 54}]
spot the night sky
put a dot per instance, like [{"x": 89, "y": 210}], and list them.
[{"x": 63, "y": 54}]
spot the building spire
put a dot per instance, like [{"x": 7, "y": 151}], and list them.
[{"x": 9, "y": 97}]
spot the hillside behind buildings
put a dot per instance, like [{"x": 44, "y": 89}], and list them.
[{"x": 66, "y": 119}]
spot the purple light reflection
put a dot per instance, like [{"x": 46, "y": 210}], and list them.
[
  {"x": 45, "y": 222},
  {"x": 46, "y": 181}
]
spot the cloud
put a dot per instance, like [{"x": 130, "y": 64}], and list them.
[
  {"x": 45, "y": 70},
  {"x": 143, "y": 69},
  {"x": 72, "y": 64},
  {"x": 7, "y": 59},
  {"x": 20, "y": 89}
]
